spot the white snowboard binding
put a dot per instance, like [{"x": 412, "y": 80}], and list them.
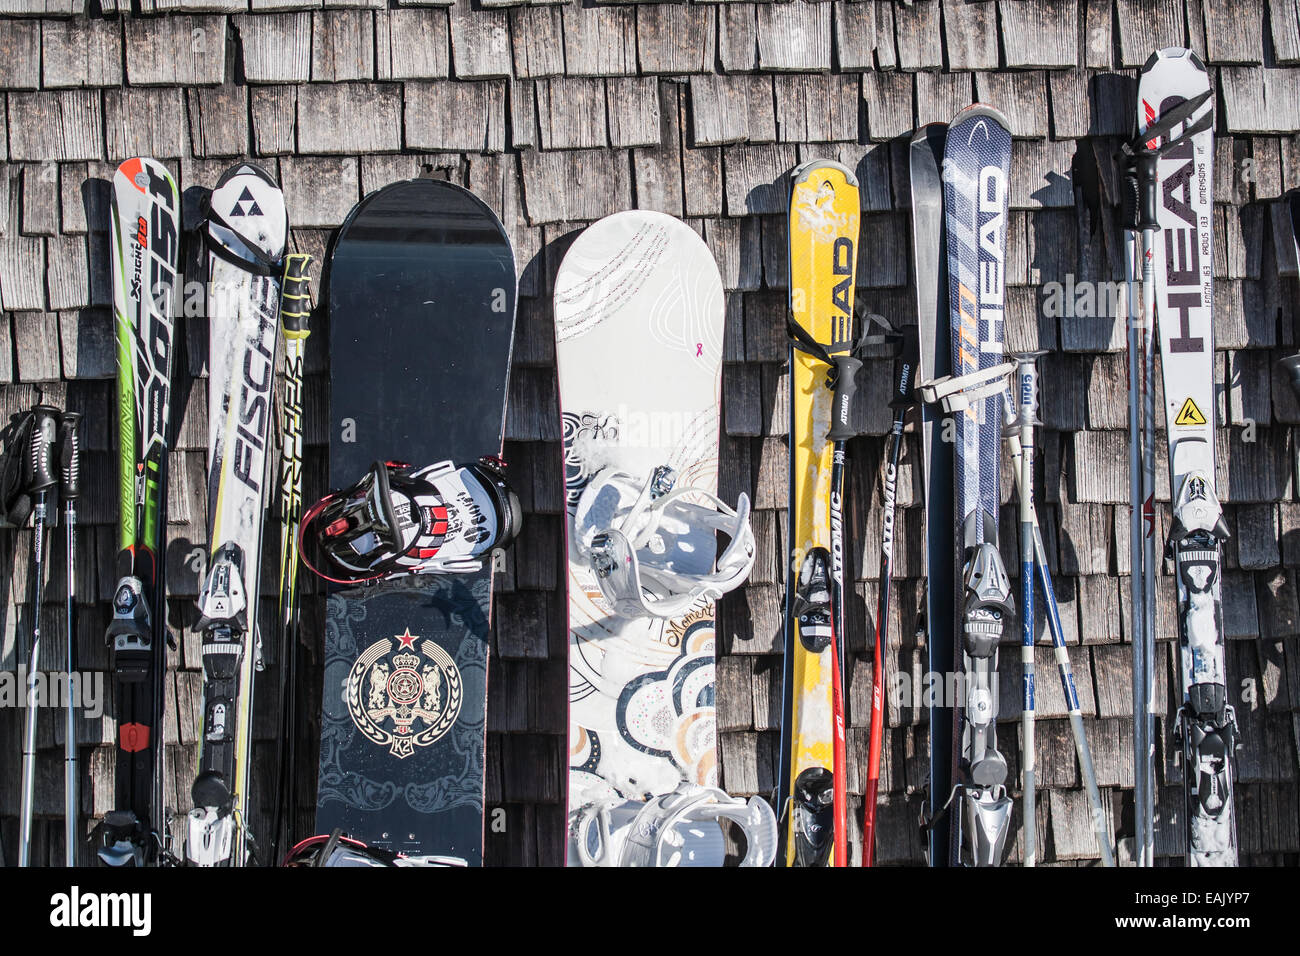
[
  {"x": 682, "y": 828},
  {"x": 652, "y": 549}
]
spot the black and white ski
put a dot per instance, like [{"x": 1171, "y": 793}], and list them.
[
  {"x": 245, "y": 234},
  {"x": 1182, "y": 260}
]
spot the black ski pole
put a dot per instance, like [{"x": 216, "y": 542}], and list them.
[
  {"x": 39, "y": 475},
  {"x": 70, "y": 488}
]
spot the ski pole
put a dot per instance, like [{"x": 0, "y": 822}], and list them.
[
  {"x": 1021, "y": 470},
  {"x": 39, "y": 468},
  {"x": 901, "y": 400},
  {"x": 295, "y": 314},
  {"x": 1021, "y": 417},
  {"x": 70, "y": 488},
  {"x": 846, "y": 365}
]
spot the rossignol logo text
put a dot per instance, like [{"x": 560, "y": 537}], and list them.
[
  {"x": 153, "y": 329},
  {"x": 106, "y": 910}
]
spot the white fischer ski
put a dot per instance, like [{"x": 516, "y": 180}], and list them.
[
  {"x": 245, "y": 233},
  {"x": 1173, "y": 160}
]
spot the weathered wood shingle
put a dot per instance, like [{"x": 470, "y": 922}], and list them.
[
  {"x": 442, "y": 114},
  {"x": 732, "y": 109},
  {"x": 277, "y": 47},
  {"x": 56, "y": 126},
  {"x": 80, "y": 53},
  {"x": 599, "y": 41},
  {"x": 20, "y": 54},
  {"x": 794, "y": 36},
  {"x": 1040, "y": 34},
  {"x": 342, "y": 45},
  {"x": 197, "y": 47},
  {"x": 674, "y": 38},
  {"x": 350, "y": 118},
  {"x": 480, "y": 42}
]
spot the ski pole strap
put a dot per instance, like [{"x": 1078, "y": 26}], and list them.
[
  {"x": 956, "y": 393},
  {"x": 652, "y": 550},
  {"x": 250, "y": 256},
  {"x": 845, "y": 366},
  {"x": 1167, "y": 123},
  {"x": 1140, "y": 159}
]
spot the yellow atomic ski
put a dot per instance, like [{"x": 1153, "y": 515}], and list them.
[{"x": 824, "y": 216}]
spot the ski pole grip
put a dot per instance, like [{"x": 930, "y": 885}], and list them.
[
  {"x": 41, "y": 450},
  {"x": 846, "y": 387},
  {"x": 1129, "y": 195},
  {"x": 295, "y": 299},
  {"x": 1147, "y": 162},
  {"x": 70, "y": 456}
]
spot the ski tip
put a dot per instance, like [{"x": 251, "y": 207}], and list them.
[
  {"x": 137, "y": 171},
  {"x": 246, "y": 168},
  {"x": 805, "y": 171},
  {"x": 1173, "y": 54},
  {"x": 930, "y": 131},
  {"x": 978, "y": 111}
]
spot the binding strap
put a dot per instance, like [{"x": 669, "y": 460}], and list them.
[
  {"x": 956, "y": 393},
  {"x": 654, "y": 556}
]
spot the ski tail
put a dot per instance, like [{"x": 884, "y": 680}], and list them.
[
  {"x": 245, "y": 234},
  {"x": 811, "y": 793},
  {"x": 295, "y": 317},
  {"x": 145, "y": 256}
]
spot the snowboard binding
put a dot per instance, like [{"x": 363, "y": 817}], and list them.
[
  {"x": 653, "y": 550},
  {"x": 398, "y": 520},
  {"x": 338, "y": 850},
  {"x": 681, "y": 828}
]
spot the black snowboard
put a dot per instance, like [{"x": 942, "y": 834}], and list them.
[{"x": 420, "y": 290}]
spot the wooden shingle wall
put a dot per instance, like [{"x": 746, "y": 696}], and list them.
[{"x": 558, "y": 113}]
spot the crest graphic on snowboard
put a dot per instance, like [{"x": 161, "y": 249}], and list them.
[{"x": 403, "y": 696}]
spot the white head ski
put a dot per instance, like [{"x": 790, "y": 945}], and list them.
[{"x": 1175, "y": 113}]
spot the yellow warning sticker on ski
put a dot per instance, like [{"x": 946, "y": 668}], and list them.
[{"x": 1189, "y": 414}]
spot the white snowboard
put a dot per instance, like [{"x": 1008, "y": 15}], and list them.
[{"x": 638, "y": 325}]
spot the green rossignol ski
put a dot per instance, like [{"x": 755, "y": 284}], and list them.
[{"x": 145, "y": 247}]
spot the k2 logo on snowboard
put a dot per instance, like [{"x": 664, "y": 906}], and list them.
[{"x": 404, "y": 693}]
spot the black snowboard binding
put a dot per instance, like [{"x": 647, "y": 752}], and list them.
[{"x": 440, "y": 519}]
